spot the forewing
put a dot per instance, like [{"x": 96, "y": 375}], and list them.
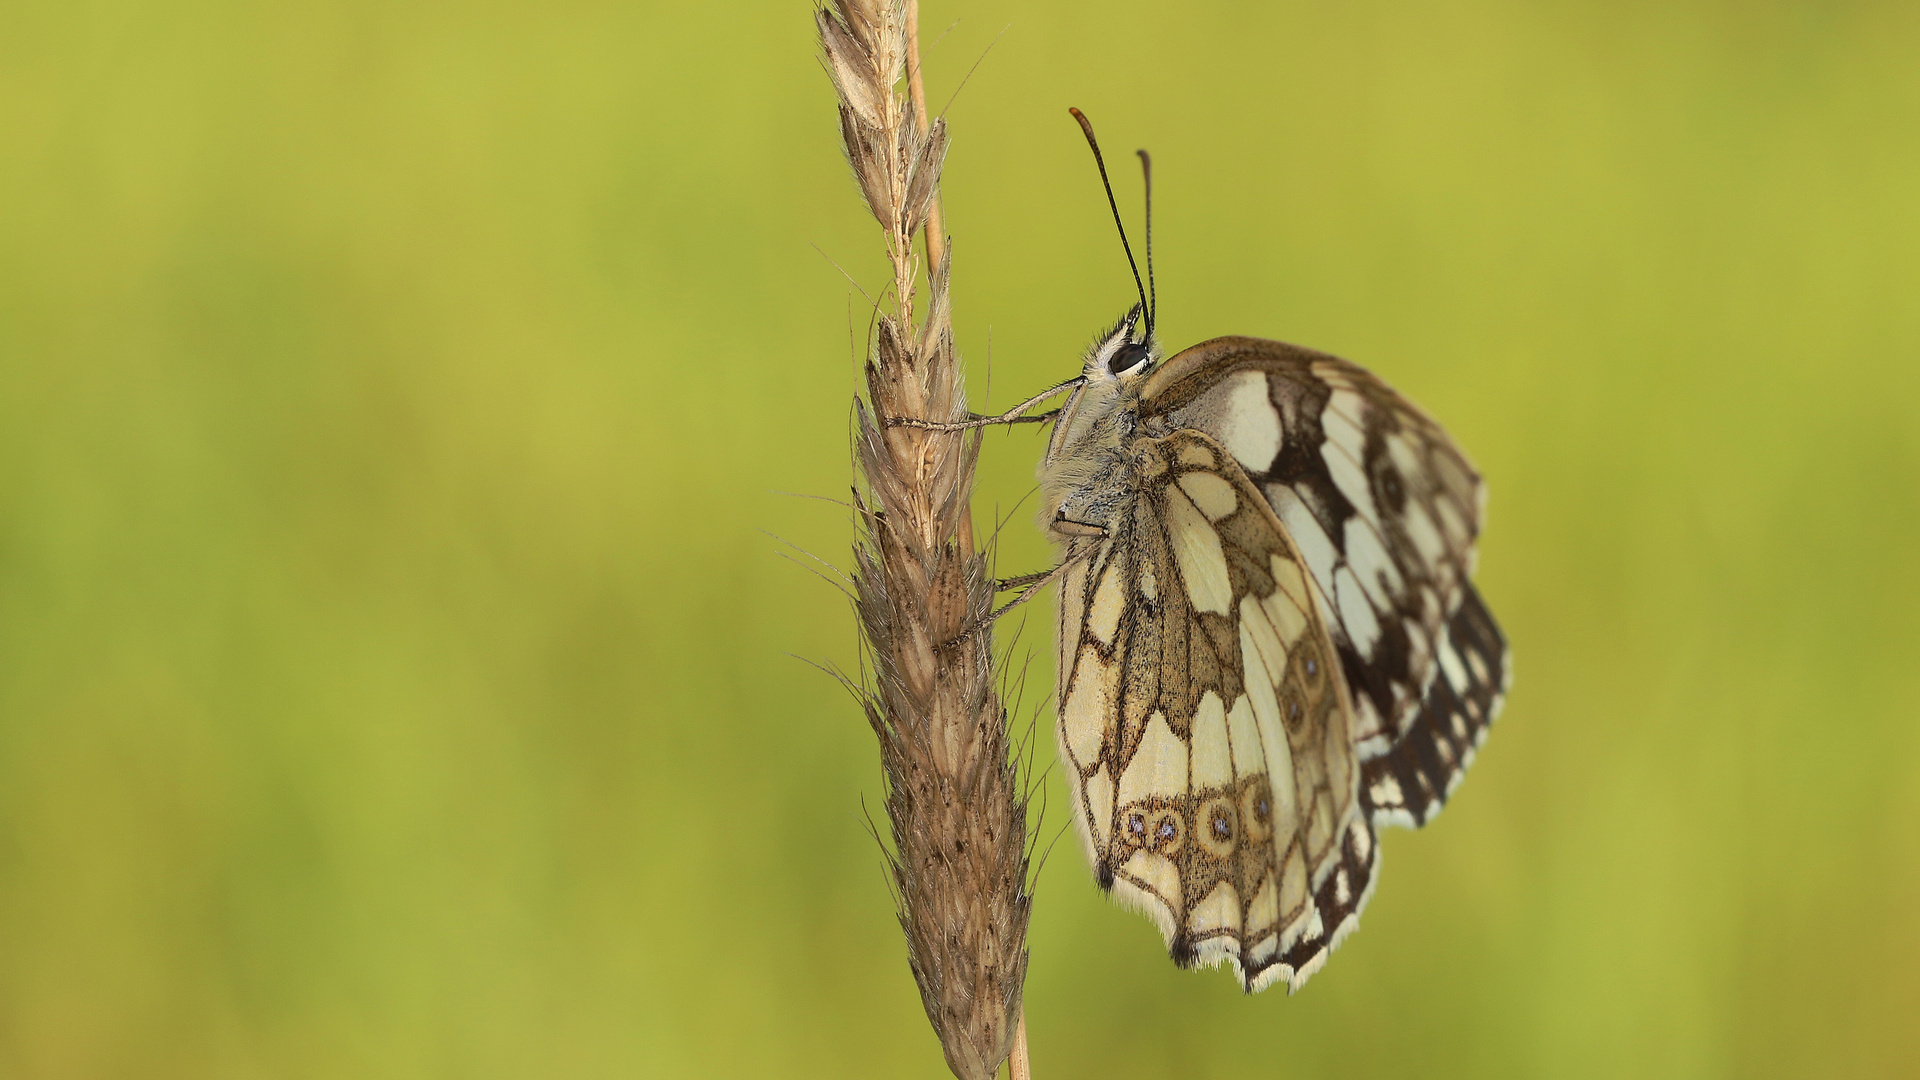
[
  {"x": 1204, "y": 727},
  {"x": 1381, "y": 504},
  {"x": 1409, "y": 784}
]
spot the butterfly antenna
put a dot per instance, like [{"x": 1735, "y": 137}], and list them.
[
  {"x": 1153, "y": 300},
  {"x": 1124, "y": 246}
]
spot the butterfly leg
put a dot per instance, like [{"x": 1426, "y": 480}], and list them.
[
  {"x": 1066, "y": 527},
  {"x": 1029, "y": 586},
  {"x": 972, "y": 422},
  {"x": 1033, "y": 587},
  {"x": 1014, "y": 415}
]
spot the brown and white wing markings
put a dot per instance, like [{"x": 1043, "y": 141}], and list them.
[
  {"x": 1380, "y": 503},
  {"x": 1411, "y": 782},
  {"x": 1206, "y": 731}
]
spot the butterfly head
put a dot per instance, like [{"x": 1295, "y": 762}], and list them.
[
  {"x": 1123, "y": 352},
  {"x": 1098, "y": 417}
]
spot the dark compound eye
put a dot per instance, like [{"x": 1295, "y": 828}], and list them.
[{"x": 1127, "y": 357}]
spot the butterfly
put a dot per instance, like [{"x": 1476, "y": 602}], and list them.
[{"x": 1269, "y": 645}]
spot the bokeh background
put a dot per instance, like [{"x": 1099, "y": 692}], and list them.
[{"x": 395, "y": 397}]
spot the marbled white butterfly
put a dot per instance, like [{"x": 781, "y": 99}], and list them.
[{"x": 1269, "y": 645}]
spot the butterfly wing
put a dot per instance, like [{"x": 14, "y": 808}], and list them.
[
  {"x": 1204, "y": 727},
  {"x": 1409, "y": 783},
  {"x": 1384, "y": 509}
]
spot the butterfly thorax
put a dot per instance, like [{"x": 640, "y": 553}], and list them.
[{"x": 1086, "y": 477}]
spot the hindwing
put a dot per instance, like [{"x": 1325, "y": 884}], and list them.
[{"x": 1205, "y": 724}]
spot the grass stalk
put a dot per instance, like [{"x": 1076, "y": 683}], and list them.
[{"x": 956, "y": 810}]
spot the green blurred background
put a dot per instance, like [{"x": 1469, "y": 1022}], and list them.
[{"x": 394, "y": 675}]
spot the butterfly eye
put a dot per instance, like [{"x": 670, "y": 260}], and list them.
[{"x": 1127, "y": 357}]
